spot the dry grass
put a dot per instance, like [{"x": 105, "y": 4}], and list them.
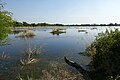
[
  {"x": 58, "y": 72},
  {"x": 26, "y": 34},
  {"x": 29, "y": 55},
  {"x": 4, "y": 56},
  {"x": 28, "y": 61},
  {"x": 91, "y": 51},
  {"x": 54, "y": 71}
]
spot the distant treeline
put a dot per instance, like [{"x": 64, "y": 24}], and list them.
[
  {"x": 110, "y": 24},
  {"x": 17, "y": 24},
  {"x": 34, "y": 24}
]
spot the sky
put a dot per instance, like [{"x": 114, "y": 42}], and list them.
[{"x": 65, "y": 11}]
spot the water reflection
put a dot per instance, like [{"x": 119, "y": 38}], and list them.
[{"x": 56, "y": 47}]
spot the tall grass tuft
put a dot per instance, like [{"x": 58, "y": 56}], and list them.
[
  {"x": 4, "y": 56},
  {"x": 26, "y": 34},
  {"x": 58, "y": 71},
  {"x": 54, "y": 71},
  {"x": 30, "y": 56}
]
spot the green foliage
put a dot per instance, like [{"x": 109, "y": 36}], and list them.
[
  {"x": 17, "y": 24},
  {"x": 5, "y": 22},
  {"x": 106, "y": 61},
  {"x": 57, "y": 32}
]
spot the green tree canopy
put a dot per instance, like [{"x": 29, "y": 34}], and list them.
[{"x": 5, "y": 21}]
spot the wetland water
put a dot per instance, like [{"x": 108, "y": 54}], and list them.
[{"x": 53, "y": 47}]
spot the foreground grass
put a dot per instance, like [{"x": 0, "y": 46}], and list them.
[{"x": 54, "y": 71}]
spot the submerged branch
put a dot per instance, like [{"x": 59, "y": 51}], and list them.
[{"x": 78, "y": 67}]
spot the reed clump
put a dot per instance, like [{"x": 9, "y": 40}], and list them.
[
  {"x": 4, "y": 56},
  {"x": 59, "y": 72},
  {"x": 57, "y": 31},
  {"x": 54, "y": 71},
  {"x": 26, "y": 34},
  {"x": 30, "y": 56}
]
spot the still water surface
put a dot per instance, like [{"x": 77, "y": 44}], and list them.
[{"x": 54, "y": 47}]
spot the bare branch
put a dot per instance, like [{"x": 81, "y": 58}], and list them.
[{"x": 78, "y": 67}]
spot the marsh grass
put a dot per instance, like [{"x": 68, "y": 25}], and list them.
[
  {"x": 82, "y": 31},
  {"x": 26, "y": 34},
  {"x": 59, "y": 72},
  {"x": 30, "y": 56},
  {"x": 54, "y": 71},
  {"x": 57, "y": 31},
  {"x": 4, "y": 57}
]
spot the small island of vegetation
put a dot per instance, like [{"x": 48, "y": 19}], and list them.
[{"x": 57, "y": 31}]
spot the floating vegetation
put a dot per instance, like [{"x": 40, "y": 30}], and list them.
[
  {"x": 82, "y": 31},
  {"x": 86, "y": 32},
  {"x": 82, "y": 53},
  {"x": 57, "y": 31},
  {"x": 26, "y": 34},
  {"x": 93, "y": 28},
  {"x": 4, "y": 56}
]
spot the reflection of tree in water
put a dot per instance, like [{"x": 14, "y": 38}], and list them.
[{"x": 4, "y": 42}]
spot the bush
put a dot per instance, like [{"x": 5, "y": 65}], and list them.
[
  {"x": 26, "y": 34},
  {"x": 106, "y": 60}
]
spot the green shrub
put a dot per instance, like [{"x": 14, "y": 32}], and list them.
[
  {"x": 57, "y": 32},
  {"x": 106, "y": 61}
]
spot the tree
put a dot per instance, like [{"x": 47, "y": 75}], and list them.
[
  {"x": 25, "y": 24},
  {"x": 16, "y": 24},
  {"x": 5, "y": 22}
]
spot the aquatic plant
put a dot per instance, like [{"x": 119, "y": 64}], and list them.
[
  {"x": 20, "y": 78},
  {"x": 57, "y": 31},
  {"x": 28, "y": 61},
  {"x": 93, "y": 28},
  {"x": 30, "y": 56},
  {"x": 54, "y": 71},
  {"x": 59, "y": 72},
  {"x": 26, "y": 34},
  {"x": 4, "y": 56},
  {"x": 82, "y": 31}
]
